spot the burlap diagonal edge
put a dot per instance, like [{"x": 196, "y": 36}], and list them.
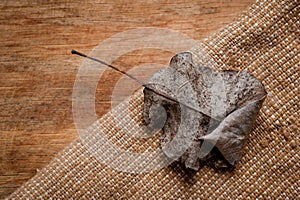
[{"x": 263, "y": 40}]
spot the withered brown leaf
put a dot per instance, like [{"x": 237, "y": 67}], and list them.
[{"x": 209, "y": 115}]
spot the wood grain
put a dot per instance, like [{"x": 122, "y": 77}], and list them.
[{"x": 37, "y": 72}]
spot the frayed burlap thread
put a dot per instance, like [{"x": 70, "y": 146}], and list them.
[{"x": 263, "y": 40}]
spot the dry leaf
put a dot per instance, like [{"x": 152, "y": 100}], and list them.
[{"x": 206, "y": 115}]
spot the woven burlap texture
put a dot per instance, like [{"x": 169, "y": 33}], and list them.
[{"x": 263, "y": 40}]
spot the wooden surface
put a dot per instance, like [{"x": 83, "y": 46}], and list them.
[{"x": 37, "y": 71}]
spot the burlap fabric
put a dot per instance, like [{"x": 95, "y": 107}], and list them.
[{"x": 263, "y": 40}]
